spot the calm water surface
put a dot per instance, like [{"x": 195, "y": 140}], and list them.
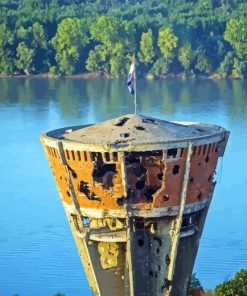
[{"x": 38, "y": 256}]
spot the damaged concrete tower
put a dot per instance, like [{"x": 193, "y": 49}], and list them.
[{"x": 136, "y": 191}]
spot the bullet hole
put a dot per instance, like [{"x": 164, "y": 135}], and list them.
[
  {"x": 140, "y": 185},
  {"x": 139, "y": 128},
  {"x": 157, "y": 250},
  {"x": 166, "y": 197},
  {"x": 83, "y": 188},
  {"x": 172, "y": 152},
  {"x": 124, "y": 135},
  {"x": 73, "y": 173},
  {"x": 168, "y": 260},
  {"x": 199, "y": 196},
  {"x": 120, "y": 201},
  {"x": 207, "y": 159},
  {"x": 151, "y": 273},
  {"x": 167, "y": 284},
  {"x": 149, "y": 120},
  {"x": 103, "y": 173},
  {"x": 139, "y": 170},
  {"x": 122, "y": 121},
  {"x": 160, "y": 176},
  {"x": 209, "y": 178},
  {"x": 149, "y": 193},
  {"x": 140, "y": 242},
  {"x": 191, "y": 180},
  {"x": 158, "y": 240},
  {"x": 175, "y": 170},
  {"x": 68, "y": 193}
]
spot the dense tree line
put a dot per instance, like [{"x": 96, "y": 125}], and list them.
[{"x": 193, "y": 37}]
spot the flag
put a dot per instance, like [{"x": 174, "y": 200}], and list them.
[{"x": 131, "y": 77}]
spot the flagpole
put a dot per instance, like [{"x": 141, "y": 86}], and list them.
[{"x": 135, "y": 102}]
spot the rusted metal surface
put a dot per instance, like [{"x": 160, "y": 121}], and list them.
[{"x": 135, "y": 190}]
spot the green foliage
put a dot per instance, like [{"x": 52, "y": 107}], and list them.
[
  {"x": 167, "y": 42},
  {"x": 59, "y": 294},
  {"x": 202, "y": 64},
  {"x": 146, "y": 53},
  {"x": 24, "y": 58},
  {"x": 234, "y": 286},
  {"x": 185, "y": 56},
  {"x": 101, "y": 36},
  {"x": 227, "y": 64},
  {"x": 69, "y": 41},
  {"x": 236, "y": 35},
  {"x": 193, "y": 283}
]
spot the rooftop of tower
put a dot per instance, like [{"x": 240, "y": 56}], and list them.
[{"x": 134, "y": 130}]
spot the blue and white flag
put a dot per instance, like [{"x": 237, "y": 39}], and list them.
[{"x": 131, "y": 77}]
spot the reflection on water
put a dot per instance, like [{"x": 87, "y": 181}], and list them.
[{"x": 37, "y": 252}]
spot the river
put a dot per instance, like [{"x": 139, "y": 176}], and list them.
[{"x": 38, "y": 256}]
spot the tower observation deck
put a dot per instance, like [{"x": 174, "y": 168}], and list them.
[{"x": 136, "y": 191}]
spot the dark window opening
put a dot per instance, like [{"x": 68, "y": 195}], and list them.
[
  {"x": 172, "y": 152},
  {"x": 204, "y": 149},
  {"x": 115, "y": 156},
  {"x": 73, "y": 154},
  {"x": 199, "y": 196},
  {"x": 194, "y": 150},
  {"x": 151, "y": 273},
  {"x": 85, "y": 155},
  {"x": 207, "y": 159},
  {"x": 199, "y": 150},
  {"x": 67, "y": 154},
  {"x": 217, "y": 148},
  {"x": 191, "y": 180},
  {"x": 158, "y": 250},
  {"x": 79, "y": 155},
  {"x": 92, "y": 156},
  {"x": 182, "y": 152},
  {"x": 122, "y": 121},
  {"x": 107, "y": 156},
  {"x": 175, "y": 170}
]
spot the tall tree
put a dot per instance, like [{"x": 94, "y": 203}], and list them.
[
  {"x": 185, "y": 56},
  {"x": 167, "y": 42},
  {"x": 69, "y": 42},
  {"x": 24, "y": 58},
  {"x": 236, "y": 35},
  {"x": 146, "y": 53}
]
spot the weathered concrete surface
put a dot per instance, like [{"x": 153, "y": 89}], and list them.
[{"x": 136, "y": 192}]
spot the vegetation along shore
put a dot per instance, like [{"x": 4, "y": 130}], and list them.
[{"x": 171, "y": 39}]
